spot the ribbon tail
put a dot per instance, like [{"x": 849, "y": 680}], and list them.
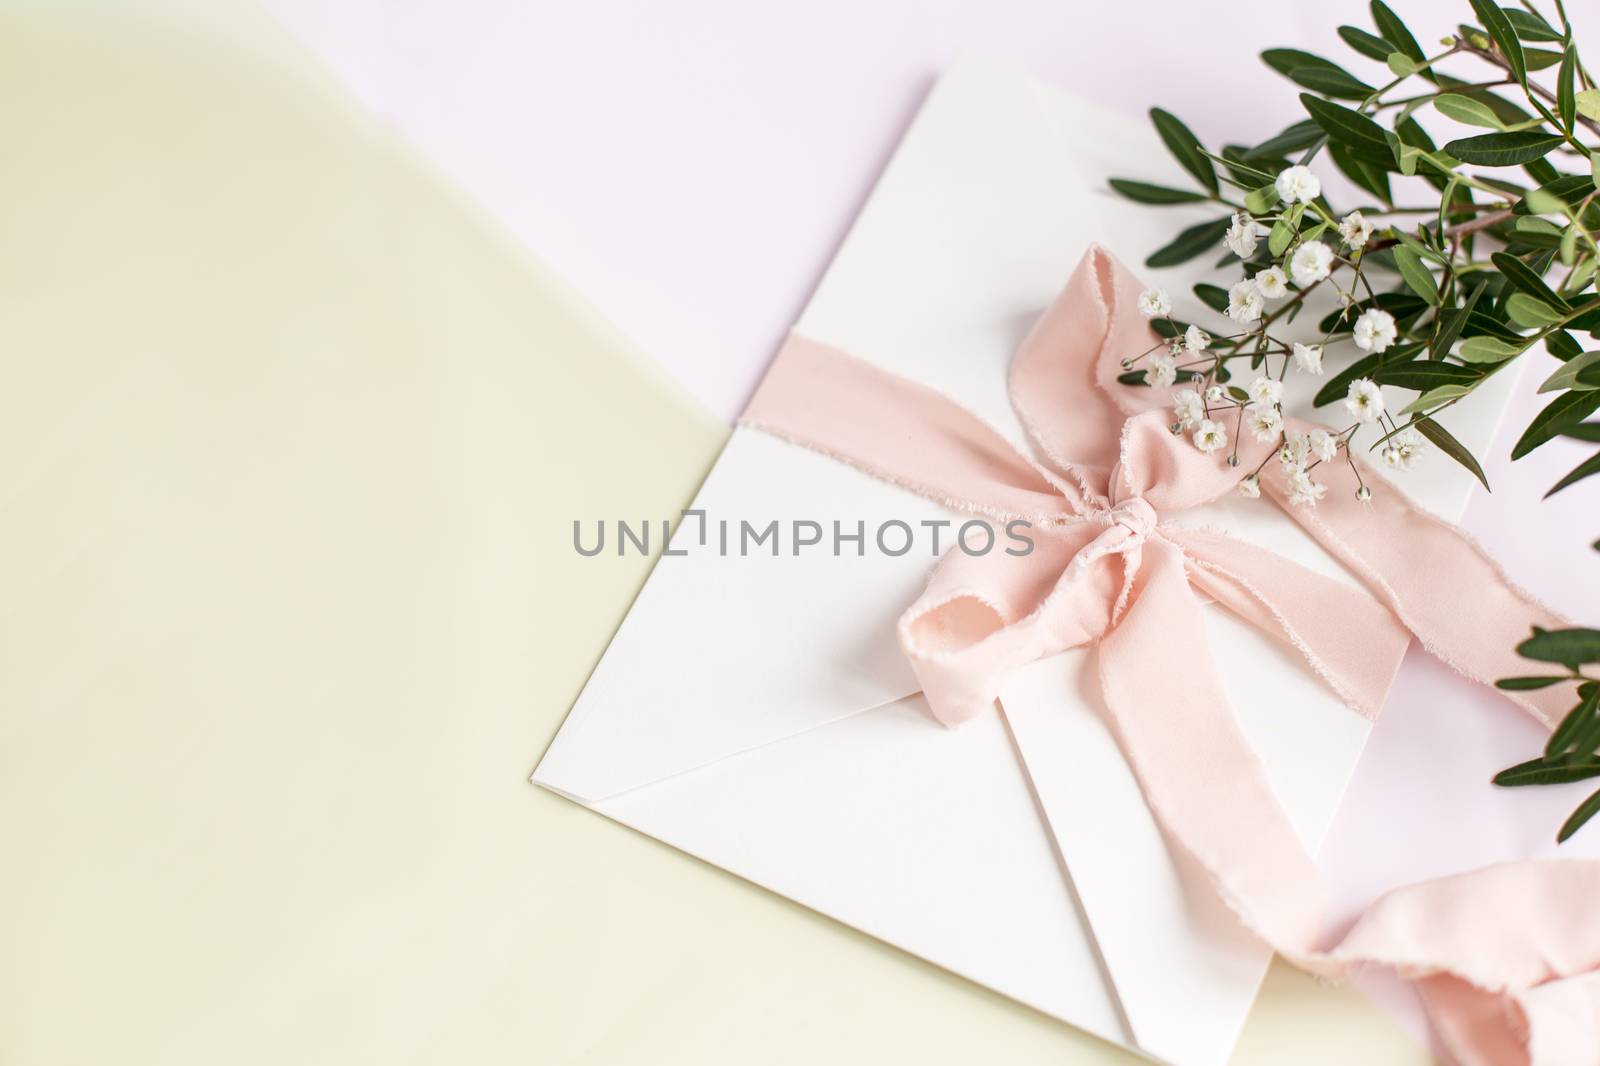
[
  {"x": 1202, "y": 779},
  {"x": 1435, "y": 577},
  {"x": 1350, "y": 640},
  {"x": 1506, "y": 958}
]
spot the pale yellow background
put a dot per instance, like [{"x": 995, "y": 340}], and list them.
[{"x": 290, "y": 443}]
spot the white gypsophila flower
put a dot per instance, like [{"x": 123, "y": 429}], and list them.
[
  {"x": 1161, "y": 373},
  {"x": 1356, "y": 230},
  {"x": 1241, "y": 236},
  {"x": 1196, "y": 339},
  {"x": 1345, "y": 298},
  {"x": 1364, "y": 400},
  {"x": 1295, "y": 453},
  {"x": 1209, "y": 435},
  {"x": 1244, "y": 302},
  {"x": 1297, "y": 185},
  {"x": 1215, "y": 393},
  {"x": 1308, "y": 357},
  {"x": 1272, "y": 283},
  {"x": 1188, "y": 408},
  {"x": 1250, "y": 487},
  {"x": 1303, "y": 492},
  {"x": 1265, "y": 423},
  {"x": 1374, "y": 330},
  {"x": 1266, "y": 392},
  {"x": 1311, "y": 262},
  {"x": 1155, "y": 303},
  {"x": 1322, "y": 444},
  {"x": 1403, "y": 449}
]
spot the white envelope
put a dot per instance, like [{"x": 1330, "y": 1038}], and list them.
[{"x": 755, "y": 711}]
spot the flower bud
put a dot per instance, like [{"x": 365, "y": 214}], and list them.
[{"x": 1363, "y": 493}]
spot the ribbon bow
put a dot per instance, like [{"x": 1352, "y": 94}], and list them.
[{"x": 1507, "y": 958}]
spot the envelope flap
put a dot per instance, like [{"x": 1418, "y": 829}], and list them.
[{"x": 722, "y": 653}]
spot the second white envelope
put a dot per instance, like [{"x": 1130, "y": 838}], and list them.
[{"x": 754, "y": 710}]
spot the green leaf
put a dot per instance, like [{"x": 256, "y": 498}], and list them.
[
  {"x": 1569, "y": 647},
  {"x": 1585, "y": 431},
  {"x": 1523, "y": 684},
  {"x": 1199, "y": 238},
  {"x": 1508, "y": 112},
  {"x": 1567, "y": 189},
  {"x": 1544, "y": 772},
  {"x": 1588, "y": 468},
  {"x": 1527, "y": 226},
  {"x": 1145, "y": 193},
  {"x": 1287, "y": 60},
  {"x": 1213, "y": 296},
  {"x": 1566, "y": 375},
  {"x": 1416, "y": 275},
  {"x": 1402, "y": 65},
  {"x": 1588, "y": 103},
  {"x": 1573, "y": 724},
  {"x": 1530, "y": 312},
  {"x": 1539, "y": 202},
  {"x": 1467, "y": 110},
  {"x": 1185, "y": 147},
  {"x": 1356, "y": 130},
  {"x": 1525, "y": 278},
  {"x": 1424, "y": 374},
  {"x": 1504, "y": 149},
  {"x": 1481, "y": 324},
  {"x": 1367, "y": 44},
  {"x": 1280, "y": 237},
  {"x": 1505, "y": 38},
  {"x": 1566, "y": 94},
  {"x": 1540, "y": 58},
  {"x": 1451, "y": 324},
  {"x": 1442, "y": 439},
  {"x": 1562, "y": 345},
  {"x": 1261, "y": 200},
  {"x": 1295, "y": 138},
  {"x": 1564, "y": 410},
  {"x": 1569, "y": 246},
  {"x": 1488, "y": 350},
  {"x": 1586, "y": 810},
  {"x": 1394, "y": 31},
  {"x": 1405, "y": 155},
  {"x": 1335, "y": 83},
  {"x": 1366, "y": 173},
  {"x": 1531, "y": 27},
  {"x": 1434, "y": 397}
]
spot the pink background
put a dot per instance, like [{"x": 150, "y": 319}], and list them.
[{"x": 690, "y": 166}]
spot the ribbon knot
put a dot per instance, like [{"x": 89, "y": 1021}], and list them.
[
  {"x": 1101, "y": 572},
  {"x": 1136, "y": 516}
]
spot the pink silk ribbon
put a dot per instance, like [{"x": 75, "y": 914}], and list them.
[{"x": 1507, "y": 958}]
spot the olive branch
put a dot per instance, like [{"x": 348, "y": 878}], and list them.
[{"x": 1498, "y": 257}]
